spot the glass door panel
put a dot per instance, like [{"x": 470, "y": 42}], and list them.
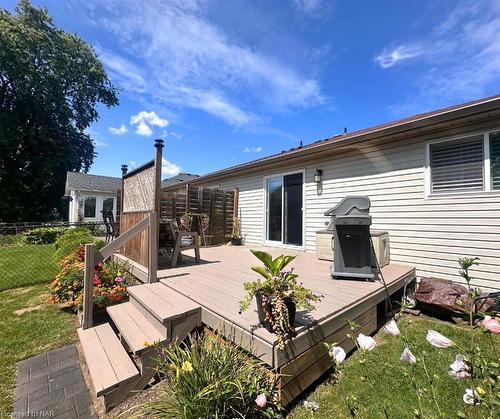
[
  {"x": 293, "y": 209},
  {"x": 274, "y": 208}
]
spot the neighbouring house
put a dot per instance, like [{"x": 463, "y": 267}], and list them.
[
  {"x": 433, "y": 180},
  {"x": 89, "y": 195},
  {"x": 176, "y": 180}
]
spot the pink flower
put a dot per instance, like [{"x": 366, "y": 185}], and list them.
[
  {"x": 338, "y": 354},
  {"x": 459, "y": 369},
  {"x": 366, "y": 342},
  {"x": 119, "y": 279},
  {"x": 407, "y": 356},
  {"x": 261, "y": 401},
  {"x": 392, "y": 328},
  {"x": 97, "y": 281},
  {"x": 491, "y": 324},
  {"x": 438, "y": 340}
]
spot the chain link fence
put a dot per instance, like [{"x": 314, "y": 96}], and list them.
[{"x": 27, "y": 251}]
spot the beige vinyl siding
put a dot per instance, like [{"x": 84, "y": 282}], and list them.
[{"x": 428, "y": 233}]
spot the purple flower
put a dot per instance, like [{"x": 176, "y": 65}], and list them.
[{"x": 119, "y": 279}]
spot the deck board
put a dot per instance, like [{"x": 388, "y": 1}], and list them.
[{"x": 217, "y": 285}]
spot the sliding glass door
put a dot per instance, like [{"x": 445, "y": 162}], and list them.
[{"x": 284, "y": 209}]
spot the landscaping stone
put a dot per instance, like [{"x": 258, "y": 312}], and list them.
[{"x": 52, "y": 385}]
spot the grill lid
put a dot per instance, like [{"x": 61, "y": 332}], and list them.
[{"x": 353, "y": 209}]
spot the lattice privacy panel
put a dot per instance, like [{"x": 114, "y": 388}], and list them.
[{"x": 139, "y": 191}]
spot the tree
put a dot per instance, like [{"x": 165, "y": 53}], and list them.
[{"x": 50, "y": 84}]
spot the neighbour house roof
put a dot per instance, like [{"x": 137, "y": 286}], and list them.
[
  {"x": 95, "y": 183},
  {"x": 399, "y": 129},
  {"x": 181, "y": 177}
]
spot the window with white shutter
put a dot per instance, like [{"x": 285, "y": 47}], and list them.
[
  {"x": 457, "y": 165},
  {"x": 495, "y": 160}
]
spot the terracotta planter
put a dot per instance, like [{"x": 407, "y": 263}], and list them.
[{"x": 290, "y": 305}]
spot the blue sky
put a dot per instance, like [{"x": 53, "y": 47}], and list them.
[{"x": 224, "y": 82}]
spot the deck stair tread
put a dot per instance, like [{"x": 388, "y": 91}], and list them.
[
  {"x": 135, "y": 328},
  {"x": 108, "y": 362},
  {"x": 162, "y": 302}
]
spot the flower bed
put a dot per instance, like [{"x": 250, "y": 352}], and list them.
[{"x": 110, "y": 281}]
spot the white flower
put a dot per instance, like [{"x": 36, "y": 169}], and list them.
[
  {"x": 338, "y": 354},
  {"x": 438, "y": 340},
  {"x": 470, "y": 396},
  {"x": 366, "y": 342},
  {"x": 392, "y": 328},
  {"x": 407, "y": 356},
  {"x": 459, "y": 369},
  {"x": 311, "y": 405}
]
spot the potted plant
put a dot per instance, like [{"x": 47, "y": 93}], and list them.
[
  {"x": 278, "y": 295},
  {"x": 236, "y": 233}
]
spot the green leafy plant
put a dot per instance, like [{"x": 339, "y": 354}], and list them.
[
  {"x": 276, "y": 287},
  {"x": 211, "y": 378},
  {"x": 43, "y": 235},
  {"x": 71, "y": 240}
]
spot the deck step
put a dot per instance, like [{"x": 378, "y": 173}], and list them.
[
  {"x": 108, "y": 363},
  {"x": 162, "y": 302},
  {"x": 135, "y": 328}
]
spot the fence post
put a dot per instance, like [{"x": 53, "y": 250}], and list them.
[
  {"x": 88, "y": 287},
  {"x": 153, "y": 248}
]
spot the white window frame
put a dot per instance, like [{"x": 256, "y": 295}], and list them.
[
  {"x": 98, "y": 206},
  {"x": 428, "y": 194},
  {"x": 274, "y": 243}
]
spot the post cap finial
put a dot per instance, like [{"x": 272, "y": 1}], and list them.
[
  {"x": 158, "y": 142},
  {"x": 124, "y": 169}
]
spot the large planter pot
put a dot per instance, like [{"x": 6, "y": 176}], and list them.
[
  {"x": 290, "y": 305},
  {"x": 236, "y": 241}
]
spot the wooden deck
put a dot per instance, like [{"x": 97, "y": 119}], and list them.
[{"x": 217, "y": 285}]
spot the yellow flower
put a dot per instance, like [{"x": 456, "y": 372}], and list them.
[
  {"x": 187, "y": 367},
  {"x": 146, "y": 343}
]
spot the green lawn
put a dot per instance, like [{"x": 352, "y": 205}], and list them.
[
  {"x": 28, "y": 326},
  {"x": 381, "y": 386},
  {"x": 23, "y": 264}
]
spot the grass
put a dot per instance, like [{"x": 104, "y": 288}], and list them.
[
  {"x": 381, "y": 385},
  {"x": 28, "y": 326},
  {"x": 23, "y": 264}
]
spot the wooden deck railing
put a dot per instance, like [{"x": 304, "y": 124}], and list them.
[{"x": 93, "y": 257}]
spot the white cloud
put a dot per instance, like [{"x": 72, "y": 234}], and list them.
[
  {"x": 175, "y": 135},
  {"x": 99, "y": 143},
  {"x": 169, "y": 168},
  {"x": 254, "y": 149},
  {"x": 188, "y": 61},
  {"x": 122, "y": 129},
  {"x": 458, "y": 60},
  {"x": 144, "y": 120},
  {"x": 309, "y": 7},
  {"x": 389, "y": 58}
]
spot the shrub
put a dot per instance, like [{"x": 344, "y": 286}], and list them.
[
  {"x": 110, "y": 281},
  {"x": 213, "y": 379},
  {"x": 71, "y": 240},
  {"x": 43, "y": 235}
]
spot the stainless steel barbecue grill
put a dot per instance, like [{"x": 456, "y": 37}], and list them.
[{"x": 350, "y": 223}]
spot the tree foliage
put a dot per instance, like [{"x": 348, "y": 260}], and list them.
[{"x": 50, "y": 84}]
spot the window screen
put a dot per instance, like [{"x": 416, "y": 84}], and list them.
[
  {"x": 495, "y": 159},
  {"x": 457, "y": 165}
]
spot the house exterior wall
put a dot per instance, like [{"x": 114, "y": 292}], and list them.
[
  {"x": 429, "y": 233},
  {"x": 76, "y": 205}
]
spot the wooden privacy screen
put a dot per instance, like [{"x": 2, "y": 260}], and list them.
[
  {"x": 216, "y": 203},
  {"x": 139, "y": 189},
  {"x": 136, "y": 248}
]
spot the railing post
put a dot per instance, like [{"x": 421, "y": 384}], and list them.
[
  {"x": 88, "y": 286},
  {"x": 153, "y": 248}
]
